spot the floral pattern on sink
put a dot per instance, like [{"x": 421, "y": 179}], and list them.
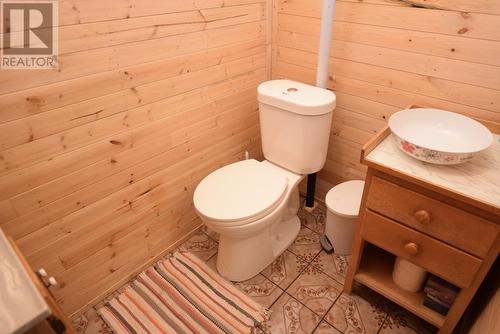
[{"x": 431, "y": 156}]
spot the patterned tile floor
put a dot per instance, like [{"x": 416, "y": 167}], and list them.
[{"x": 303, "y": 288}]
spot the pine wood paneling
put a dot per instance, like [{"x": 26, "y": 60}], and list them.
[
  {"x": 83, "y": 11},
  {"x": 398, "y": 14},
  {"x": 182, "y": 72},
  {"x": 101, "y": 61},
  {"x": 99, "y": 159},
  {"x": 408, "y": 40},
  {"x": 386, "y": 55}
]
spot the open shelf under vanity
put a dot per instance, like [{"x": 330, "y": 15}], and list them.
[{"x": 375, "y": 272}]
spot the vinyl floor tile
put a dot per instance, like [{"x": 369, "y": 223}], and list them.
[
  {"x": 201, "y": 245},
  {"x": 354, "y": 314},
  {"x": 212, "y": 234},
  {"x": 306, "y": 245},
  {"x": 259, "y": 288},
  {"x": 400, "y": 321},
  {"x": 315, "y": 290},
  {"x": 315, "y": 220},
  {"x": 289, "y": 316},
  {"x": 326, "y": 328},
  {"x": 332, "y": 264},
  {"x": 285, "y": 269}
]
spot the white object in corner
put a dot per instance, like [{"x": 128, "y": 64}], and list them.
[{"x": 21, "y": 304}]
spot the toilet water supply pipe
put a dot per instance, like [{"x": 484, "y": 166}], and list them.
[{"x": 325, "y": 40}]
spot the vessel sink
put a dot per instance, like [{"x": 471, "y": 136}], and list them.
[{"x": 438, "y": 136}]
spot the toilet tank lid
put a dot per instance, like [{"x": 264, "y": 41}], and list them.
[
  {"x": 345, "y": 199},
  {"x": 296, "y": 97}
]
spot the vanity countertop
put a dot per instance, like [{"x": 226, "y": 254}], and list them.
[
  {"x": 476, "y": 181},
  {"x": 21, "y": 304}
]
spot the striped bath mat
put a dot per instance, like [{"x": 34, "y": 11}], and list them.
[{"x": 181, "y": 294}]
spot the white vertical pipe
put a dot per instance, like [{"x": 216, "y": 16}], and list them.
[{"x": 325, "y": 40}]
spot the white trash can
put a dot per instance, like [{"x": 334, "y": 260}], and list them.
[{"x": 343, "y": 202}]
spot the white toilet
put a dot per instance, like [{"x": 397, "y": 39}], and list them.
[{"x": 252, "y": 204}]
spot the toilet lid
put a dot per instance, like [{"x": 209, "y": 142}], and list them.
[{"x": 239, "y": 191}]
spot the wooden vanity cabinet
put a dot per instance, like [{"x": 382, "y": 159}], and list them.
[{"x": 403, "y": 213}]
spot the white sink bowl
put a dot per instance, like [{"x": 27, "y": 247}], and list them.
[{"x": 438, "y": 136}]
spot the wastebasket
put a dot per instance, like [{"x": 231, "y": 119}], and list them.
[{"x": 343, "y": 202}]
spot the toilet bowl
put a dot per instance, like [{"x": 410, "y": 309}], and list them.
[{"x": 252, "y": 204}]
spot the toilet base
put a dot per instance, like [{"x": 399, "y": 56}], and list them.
[
  {"x": 241, "y": 259},
  {"x": 285, "y": 234}
]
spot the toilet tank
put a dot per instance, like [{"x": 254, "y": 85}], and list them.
[{"x": 295, "y": 121}]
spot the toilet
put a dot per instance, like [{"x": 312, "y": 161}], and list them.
[{"x": 253, "y": 205}]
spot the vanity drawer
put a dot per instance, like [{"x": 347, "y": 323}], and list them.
[
  {"x": 442, "y": 221},
  {"x": 451, "y": 264}
]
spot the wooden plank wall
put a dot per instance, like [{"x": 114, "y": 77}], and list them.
[
  {"x": 387, "y": 54},
  {"x": 99, "y": 159}
]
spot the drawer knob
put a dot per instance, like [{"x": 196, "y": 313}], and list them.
[
  {"x": 411, "y": 248},
  {"x": 422, "y": 216}
]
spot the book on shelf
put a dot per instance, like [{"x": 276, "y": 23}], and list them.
[
  {"x": 441, "y": 290},
  {"x": 436, "y": 305}
]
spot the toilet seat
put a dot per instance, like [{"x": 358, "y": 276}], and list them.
[{"x": 240, "y": 193}]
